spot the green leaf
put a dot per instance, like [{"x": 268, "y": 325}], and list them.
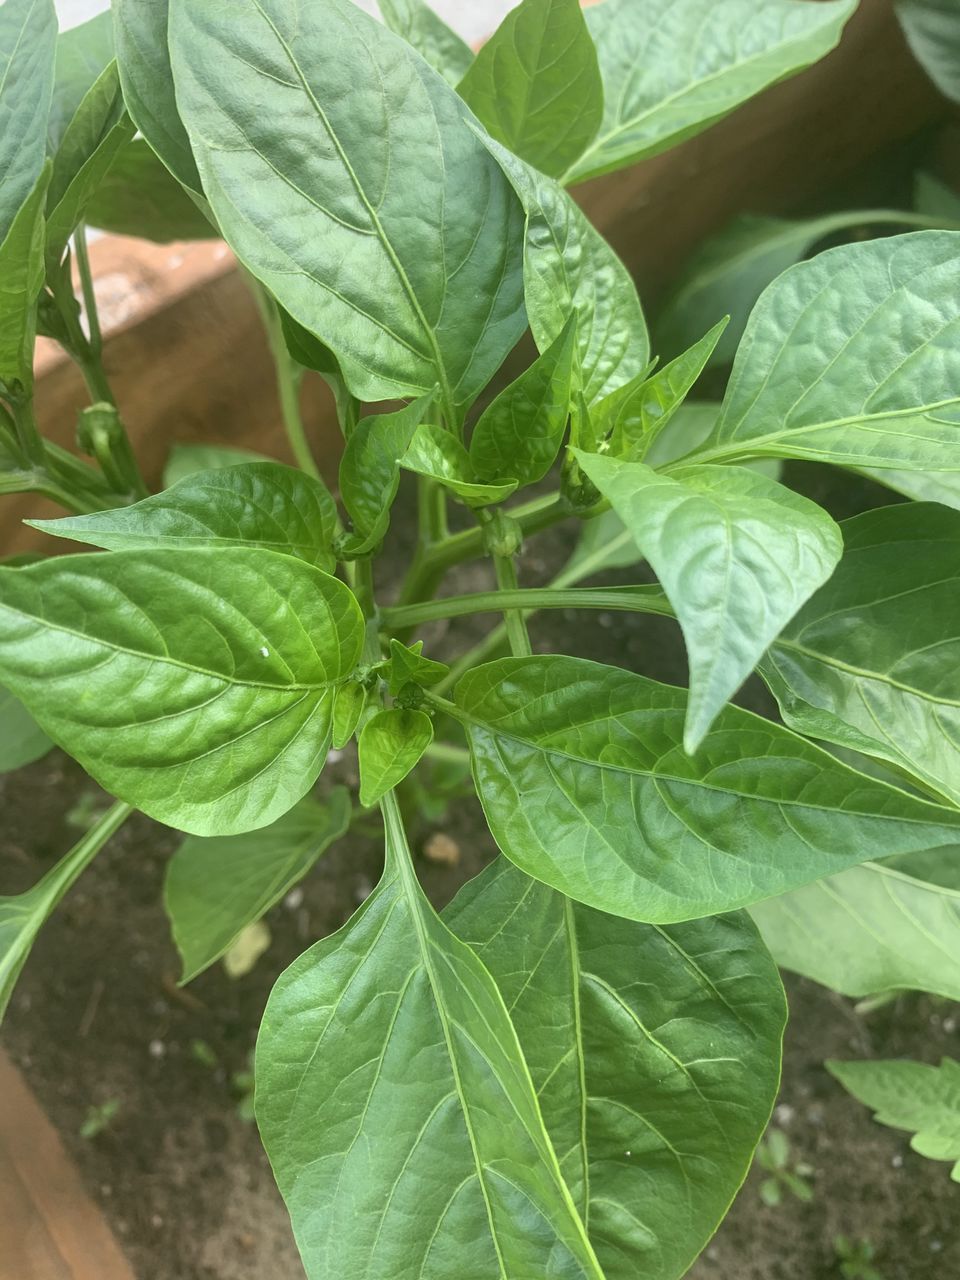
[
  {"x": 737, "y": 554},
  {"x": 655, "y": 1053},
  {"x": 672, "y": 68},
  {"x": 214, "y": 888},
  {"x": 687, "y": 429},
  {"x": 435, "y": 453},
  {"x": 370, "y": 469},
  {"x": 138, "y": 196},
  {"x": 197, "y": 683},
  {"x": 389, "y": 747},
  {"x": 21, "y": 279},
  {"x": 311, "y": 353},
  {"x": 409, "y": 666},
  {"x": 635, "y": 415},
  {"x": 851, "y": 358},
  {"x": 935, "y": 866},
  {"x": 569, "y": 269},
  {"x": 910, "y": 1095},
  {"x": 319, "y": 117},
  {"x": 867, "y": 931},
  {"x": 430, "y": 36},
  {"x": 93, "y": 138},
  {"x": 83, "y": 53},
  {"x": 28, "y": 45},
  {"x": 871, "y": 662},
  {"x": 585, "y": 785},
  {"x": 349, "y": 701},
  {"x": 605, "y": 543},
  {"x": 257, "y": 504},
  {"x": 140, "y": 33},
  {"x": 932, "y": 28},
  {"x": 21, "y": 739},
  {"x": 535, "y": 85},
  {"x": 23, "y": 916},
  {"x": 386, "y": 1068},
  {"x": 520, "y": 433},
  {"x": 189, "y": 459},
  {"x": 923, "y": 486}
]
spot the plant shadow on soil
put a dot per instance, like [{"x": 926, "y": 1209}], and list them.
[{"x": 181, "y": 1175}]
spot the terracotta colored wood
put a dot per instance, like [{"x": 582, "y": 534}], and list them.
[{"x": 50, "y": 1229}]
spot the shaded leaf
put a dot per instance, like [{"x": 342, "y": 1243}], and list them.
[
  {"x": 189, "y": 459},
  {"x": 28, "y": 45},
  {"x": 83, "y": 53},
  {"x": 138, "y": 196},
  {"x": 21, "y": 279},
  {"x": 932, "y": 28},
  {"x": 198, "y": 683},
  {"x": 21, "y": 739},
  {"x": 215, "y": 887},
  {"x": 370, "y": 470},
  {"x": 430, "y": 36},
  {"x": 389, "y": 746}
]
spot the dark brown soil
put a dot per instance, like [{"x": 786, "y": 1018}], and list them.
[{"x": 97, "y": 1017}]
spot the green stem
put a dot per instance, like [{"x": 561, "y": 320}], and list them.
[
  {"x": 95, "y": 342},
  {"x": 28, "y": 436},
  {"x": 506, "y": 570},
  {"x": 448, "y": 753},
  {"x": 289, "y": 377},
  {"x": 363, "y": 590},
  {"x": 643, "y": 599}
]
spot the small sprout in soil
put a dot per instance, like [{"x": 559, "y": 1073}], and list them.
[
  {"x": 99, "y": 1118},
  {"x": 773, "y": 1155},
  {"x": 855, "y": 1258},
  {"x": 201, "y": 1052}
]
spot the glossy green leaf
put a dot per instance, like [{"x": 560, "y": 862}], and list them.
[
  {"x": 731, "y": 269},
  {"x": 215, "y": 887},
  {"x": 257, "y": 504},
  {"x": 83, "y": 53},
  {"x": 520, "y": 433},
  {"x": 389, "y": 746},
  {"x": 586, "y": 786},
  {"x": 569, "y": 269},
  {"x": 670, "y": 68},
  {"x": 535, "y": 84},
  {"x": 868, "y": 930},
  {"x": 430, "y": 36},
  {"x": 923, "y": 1100},
  {"x": 21, "y": 279},
  {"x": 398, "y": 1112},
  {"x": 370, "y": 469},
  {"x": 343, "y": 172},
  {"x": 138, "y": 196},
  {"x": 871, "y": 662},
  {"x": 851, "y": 358},
  {"x": 348, "y": 703},
  {"x": 28, "y": 45},
  {"x": 189, "y": 459},
  {"x": 635, "y": 415},
  {"x": 655, "y": 1053},
  {"x": 932, "y": 28},
  {"x": 435, "y": 453},
  {"x": 23, "y": 916},
  {"x": 737, "y": 554},
  {"x": 197, "y": 684},
  {"x": 21, "y": 739},
  {"x": 409, "y": 666},
  {"x": 140, "y": 34}
]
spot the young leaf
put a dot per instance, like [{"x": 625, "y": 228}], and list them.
[
  {"x": 850, "y": 358},
  {"x": 871, "y": 661},
  {"x": 932, "y": 28},
  {"x": 318, "y": 116},
  {"x": 389, "y": 747},
  {"x": 635, "y": 415},
  {"x": 655, "y": 1053},
  {"x": 348, "y": 703},
  {"x": 22, "y": 274},
  {"x": 386, "y": 1065},
  {"x": 435, "y": 453},
  {"x": 28, "y": 45},
  {"x": 83, "y": 53},
  {"x": 671, "y": 69},
  {"x": 910, "y": 1095},
  {"x": 868, "y": 930},
  {"x": 138, "y": 196},
  {"x": 21, "y": 739},
  {"x": 23, "y": 916},
  {"x": 585, "y": 785},
  {"x": 569, "y": 269},
  {"x": 520, "y": 433},
  {"x": 216, "y": 887},
  {"x": 430, "y": 36},
  {"x": 370, "y": 469},
  {"x": 197, "y": 683},
  {"x": 140, "y": 34},
  {"x": 257, "y": 504},
  {"x": 535, "y": 85},
  {"x": 737, "y": 554},
  {"x": 409, "y": 666}
]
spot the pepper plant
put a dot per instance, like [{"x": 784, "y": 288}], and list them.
[{"x": 566, "y": 1073}]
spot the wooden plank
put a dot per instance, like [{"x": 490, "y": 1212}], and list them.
[{"x": 50, "y": 1229}]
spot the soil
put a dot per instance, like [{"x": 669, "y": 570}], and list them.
[{"x": 97, "y": 1018}]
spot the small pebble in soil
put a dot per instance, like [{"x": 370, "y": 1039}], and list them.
[
  {"x": 294, "y": 900},
  {"x": 784, "y": 1114},
  {"x": 333, "y": 756},
  {"x": 156, "y": 1221},
  {"x": 362, "y": 889},
  {"x": 936, "y": 1246},
  {"x": 897, "y": 1162},
  {"x": 157, "y": 1049},
  {"x": 441, "y": 849},
  {"x": 949, "y": 1025}
]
